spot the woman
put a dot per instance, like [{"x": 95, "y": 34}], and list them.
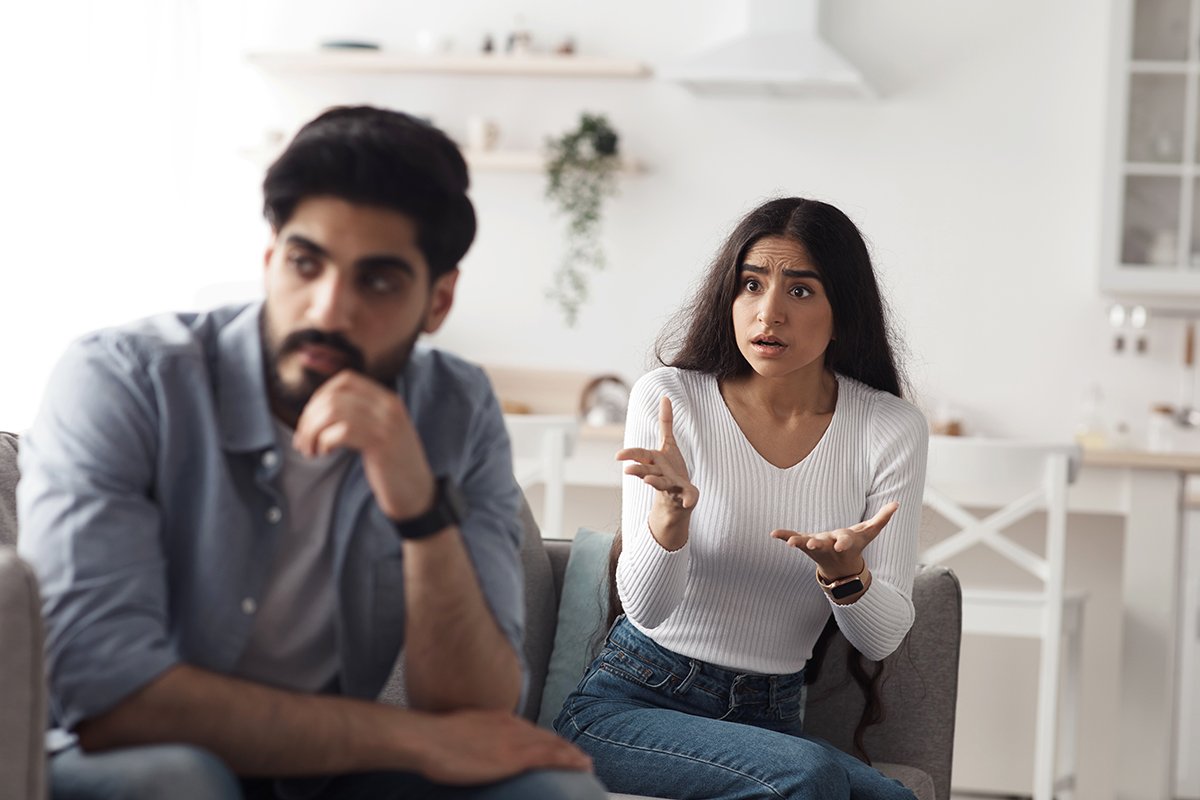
[{"x": 776, "y": 478}]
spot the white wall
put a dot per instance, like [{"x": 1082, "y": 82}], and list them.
[{"x": 977, "y": 179}]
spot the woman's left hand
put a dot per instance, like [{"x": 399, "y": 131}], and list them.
[{"x": 838, "y": 554}]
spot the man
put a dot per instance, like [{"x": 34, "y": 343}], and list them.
[{"x": 239, "y": 517}]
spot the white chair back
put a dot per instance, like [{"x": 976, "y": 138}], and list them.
[
  {"x": 541, "y": 444},
  {"x": 1017, "y": 479}
]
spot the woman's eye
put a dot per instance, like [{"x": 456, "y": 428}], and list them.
[
  {"x": 801, "y": 291},
  {"x": 752, "y": 285}
]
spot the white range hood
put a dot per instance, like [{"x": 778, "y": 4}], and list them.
[{"x": 779, "y": 53}]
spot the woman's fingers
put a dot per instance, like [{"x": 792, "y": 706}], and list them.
[
  {"x": 879, "y": 520},
  {"x": 637, "y": 454},
  {"x": 666, "y": 416}
]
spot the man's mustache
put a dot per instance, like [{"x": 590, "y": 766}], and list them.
[{"x": 294, "y": 341}]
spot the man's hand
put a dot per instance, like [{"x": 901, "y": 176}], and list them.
[
  {"x": 473, "y": 747},
  {"x": 665, "y": 470},
  {"x": 838, "y": 554},
  {"x": 350, "y": 410}
]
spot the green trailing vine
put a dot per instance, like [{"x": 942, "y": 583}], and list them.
[{"x": 581, "y": 168}]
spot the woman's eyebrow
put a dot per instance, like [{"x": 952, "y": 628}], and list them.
[{"x": 787, "y": 273}]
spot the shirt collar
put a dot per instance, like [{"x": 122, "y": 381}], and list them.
[{"x": 241, "y": 384}]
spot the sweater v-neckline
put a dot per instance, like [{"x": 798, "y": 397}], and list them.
[{"x": 741, "y": 434}]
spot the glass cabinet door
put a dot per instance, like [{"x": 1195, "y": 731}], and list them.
[{"x": 1158, "y": 194}]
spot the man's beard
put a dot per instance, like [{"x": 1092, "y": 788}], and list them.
[{"x": 293, "y": 399}]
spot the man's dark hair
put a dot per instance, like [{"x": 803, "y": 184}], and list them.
[{"x": 376, "y": 157}]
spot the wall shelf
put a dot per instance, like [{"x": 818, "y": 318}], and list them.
[
  {"x": 527, "y": 161},
  {"x": 531, "y": 65},
  {"x": 477, "y": 160}
]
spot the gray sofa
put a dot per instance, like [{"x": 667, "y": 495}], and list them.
[{"x": 913, "y": 744}]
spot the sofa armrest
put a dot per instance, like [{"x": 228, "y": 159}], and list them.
[
  {"x": 919, "y": 693},
  {"x": 22, "y": 681}
]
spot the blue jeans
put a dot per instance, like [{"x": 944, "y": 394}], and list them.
[
  {"x": 658, "y": 723},
  {"x": 182, "y": 772}
]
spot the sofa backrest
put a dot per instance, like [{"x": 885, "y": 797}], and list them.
[{"x": 8, "y": 489}]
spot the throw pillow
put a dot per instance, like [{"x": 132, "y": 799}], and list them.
[{"x": 581, "y": 614}]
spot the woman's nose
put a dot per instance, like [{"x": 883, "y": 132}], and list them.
[{"x": 771, "y": 310}]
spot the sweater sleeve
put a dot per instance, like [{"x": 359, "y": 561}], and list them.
[
  {"x": 650, "y": 579},
  {"x": 879, "y": 620}
]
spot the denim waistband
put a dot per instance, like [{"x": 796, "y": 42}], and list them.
[{"x": 739, "y": 687}]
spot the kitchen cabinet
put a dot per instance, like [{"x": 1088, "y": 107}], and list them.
[{"x": 1151, "y": 251}]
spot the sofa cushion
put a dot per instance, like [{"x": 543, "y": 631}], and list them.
[
  {"x": 582, "y": 610},
  {"x": 8, "y": 489}
]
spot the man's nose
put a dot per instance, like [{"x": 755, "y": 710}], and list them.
[{"x": 332, "y": 305}]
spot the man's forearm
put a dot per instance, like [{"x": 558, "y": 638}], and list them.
[
  {"x": 260, "y": 730},
  {"x": 455, "y": 654},
  {"x": 265, "y": 732}
]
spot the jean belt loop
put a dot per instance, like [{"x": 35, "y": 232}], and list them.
[
  {"x": 690, "y": 679},
  {"x": 773, "y": 683},
  {"x": 613, "y": 627}
]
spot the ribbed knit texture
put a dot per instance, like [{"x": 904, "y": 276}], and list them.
[{"x": 732, "y": 595}]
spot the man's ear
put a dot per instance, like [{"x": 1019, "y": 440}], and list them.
[
  {"x": 441, "y": 297},
  {"x": 270, "y": 250}
]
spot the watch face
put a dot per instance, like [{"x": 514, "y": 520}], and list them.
[{"x": 846, "y": 589}]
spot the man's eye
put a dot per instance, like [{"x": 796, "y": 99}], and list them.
[
  {"x": 304, "y": 263},
  {"x": 380, "y": 283}
]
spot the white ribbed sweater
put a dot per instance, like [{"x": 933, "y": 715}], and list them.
[{"x": 732, "y": 595}]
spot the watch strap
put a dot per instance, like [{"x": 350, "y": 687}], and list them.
[
  {"x": 448, "y": 508},
  {"x": 841, "y": 588}
]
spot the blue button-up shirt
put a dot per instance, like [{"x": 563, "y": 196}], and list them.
[{"x": 150, "y": 509}]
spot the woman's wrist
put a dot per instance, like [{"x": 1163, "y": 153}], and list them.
[{"x": 669, "y": 526}]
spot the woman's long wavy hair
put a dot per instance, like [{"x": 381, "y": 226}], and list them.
[{"x": 702, "y": 338}]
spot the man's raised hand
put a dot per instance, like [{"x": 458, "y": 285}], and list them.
[{"x": 353, "y": 411}]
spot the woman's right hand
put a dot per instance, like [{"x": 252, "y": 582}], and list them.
[{"x": 665, "y": 470}]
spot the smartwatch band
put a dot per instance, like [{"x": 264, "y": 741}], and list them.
[{"x": 448, "y": 509}]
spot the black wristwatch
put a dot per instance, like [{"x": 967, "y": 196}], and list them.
[{"x": 449, "y": 507}]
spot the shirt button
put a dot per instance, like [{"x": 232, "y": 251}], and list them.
[
  {"x": 249, "y": 606},
  {"x": 270, "y": 459},
  {"x": 274, "y": 514}
]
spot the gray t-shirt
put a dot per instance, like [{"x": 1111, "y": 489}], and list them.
[{"x": 294, "y": 643}]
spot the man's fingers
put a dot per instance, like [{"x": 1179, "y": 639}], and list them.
[{"x": 666, "y": 416}]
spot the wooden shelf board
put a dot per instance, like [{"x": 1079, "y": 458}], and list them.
[
  {"x": 533, "y": 65},
  {"x": 526, "y": 161}
]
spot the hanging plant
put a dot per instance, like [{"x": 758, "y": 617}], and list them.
[{"x": 581, "y": 168}]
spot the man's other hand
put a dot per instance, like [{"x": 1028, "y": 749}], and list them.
[{"x": 465, "y": 748}]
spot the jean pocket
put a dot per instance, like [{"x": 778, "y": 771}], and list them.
[{"x": 624, "y": 664}]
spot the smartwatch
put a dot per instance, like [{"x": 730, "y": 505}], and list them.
[
  {"x": 449, "y": 507},
  {"x": 842, "y": 587}
]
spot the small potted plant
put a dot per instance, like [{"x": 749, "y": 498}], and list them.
[{"x": 581, "y": 171}]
